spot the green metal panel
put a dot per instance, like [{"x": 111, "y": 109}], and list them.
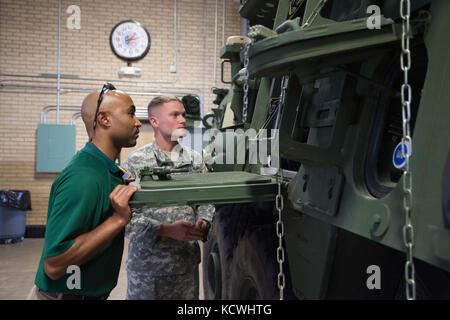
[
  {"x": 313, "y": 50},
  {"x": 55, "y": 147},
  {"x": 259, "y": 11},
  {"x": 199, "y": 188},
  {"x": 282, "y": 12},
  {"x": 382, "y": 219},
  {"x": 310, "y": 263}
]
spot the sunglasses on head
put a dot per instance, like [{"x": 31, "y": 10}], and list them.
[{"x": 106, "y": 88}]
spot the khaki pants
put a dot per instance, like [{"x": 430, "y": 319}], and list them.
[{"x": 36, "y": 295}]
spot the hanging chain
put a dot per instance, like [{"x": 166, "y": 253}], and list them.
[
  {"x": 279, "y": 197},
  {"x": 280, "y": 234},
  {"x": 408, "y": 229},
  {"x": 280, "y": 205},
  {"x": 246, "y": 75},
  {"x": 314, "y": 14}
]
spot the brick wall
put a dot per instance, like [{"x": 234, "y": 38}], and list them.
[{"x": 28, "y": 47}]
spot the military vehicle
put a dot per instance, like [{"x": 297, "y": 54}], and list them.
[{"x": 354, "y": 96}]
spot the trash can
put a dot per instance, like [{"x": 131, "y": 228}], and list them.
[{"x": 13, "y": 206}]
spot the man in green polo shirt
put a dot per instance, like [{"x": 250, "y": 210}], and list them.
[{"x": 88, "y": 206}]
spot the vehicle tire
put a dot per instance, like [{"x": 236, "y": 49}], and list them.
[
  {"x": 254, "y": 269},
  {"x": 215, "y": 259},
  {"x": 230, "y": 224}
]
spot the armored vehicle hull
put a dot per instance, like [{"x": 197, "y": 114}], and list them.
[{"x": 362, "y": 216}]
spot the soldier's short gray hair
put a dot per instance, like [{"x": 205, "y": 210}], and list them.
[{"x": 159, "y": 100}]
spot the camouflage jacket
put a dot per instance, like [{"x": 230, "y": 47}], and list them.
[{"x": 147, "y": 252}]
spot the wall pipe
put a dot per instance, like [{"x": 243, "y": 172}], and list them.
[
  {"x": 49, "y": 76},
  {"x": 175, "y": 35},
  {"x": 176, "y": 32},
  {"x": 223, "y": 28},
  {"x": 178, "y": 38},
  {"x": 215, "y": 46},
  {"x": 80, "y": 90},
  {"x": 74, "y": 117},
  {"x": 58, "y": 63},
  {"x": 223, "y": 23},
  {"x": 48, "y": 108},
  {"x": 141, "y": 113},
  {"x": 204, "y": 59}
]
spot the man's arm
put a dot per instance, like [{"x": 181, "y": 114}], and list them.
[
  {"x": 88, "y": 244},
  {"x": 181, "y": 231},
  {"x": 205, "y": 213},
  {"x": 146, "y": 227}
]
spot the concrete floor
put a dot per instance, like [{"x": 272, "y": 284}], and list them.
[{"x": 19, "y": 262}]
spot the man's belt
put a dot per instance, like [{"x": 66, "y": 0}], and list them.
[{"x": 67, "y": 296}]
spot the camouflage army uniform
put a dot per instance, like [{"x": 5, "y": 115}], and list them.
[{"x": 160, "y": 267}]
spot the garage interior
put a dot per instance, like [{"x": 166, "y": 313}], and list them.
[{"x": 52, "y": 54}]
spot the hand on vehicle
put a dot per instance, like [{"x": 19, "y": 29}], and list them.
[
  {"x": 201, "y": 224},
  {"x": 119, "y": 198}
]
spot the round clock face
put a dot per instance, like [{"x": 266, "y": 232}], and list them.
[{"x": 129, "y": 40}]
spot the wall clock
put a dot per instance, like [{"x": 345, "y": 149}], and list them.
[{"x": 129, "y": 40}]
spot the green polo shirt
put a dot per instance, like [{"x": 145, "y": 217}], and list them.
[{"x": 78, "y": 203}]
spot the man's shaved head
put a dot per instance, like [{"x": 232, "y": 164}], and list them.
[
  {"x": 116, "y": 124},
  {"x": 89, "y": 106},
  {"x": 87, "y": 111}
]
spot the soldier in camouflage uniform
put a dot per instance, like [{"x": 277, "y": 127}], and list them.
[{"x": 163, "y": 253}]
